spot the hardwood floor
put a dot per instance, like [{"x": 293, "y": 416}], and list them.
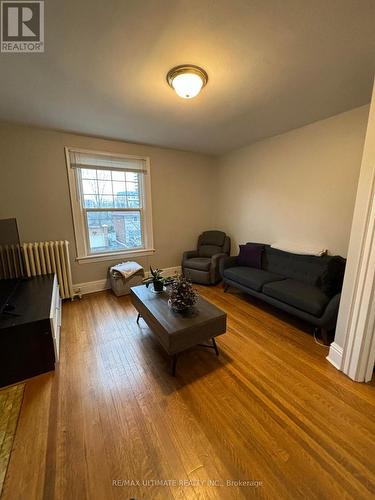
[{"x": 270, "y": 409}]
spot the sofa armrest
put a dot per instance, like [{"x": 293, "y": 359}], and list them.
[
  {"x": 227, "y": 262},
  {"x": 329, "y": 318},
  {"x": 189, "y": 255}
]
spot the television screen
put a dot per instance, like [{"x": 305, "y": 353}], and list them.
[{"x": 10, "y": 261}]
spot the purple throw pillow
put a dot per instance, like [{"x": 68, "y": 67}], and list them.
[{"x": 251, "y": 255}]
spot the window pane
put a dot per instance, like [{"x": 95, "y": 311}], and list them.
[
  {"x": 90, "y": 201},
  {"x": 105, "y": 201},
  {"x": 88, "y": 173},
  {"x": 98, "y": 201},
  {"x": 133, "y": 195},
  {"x": 104, "y": 175},
  {"x": 119, "y": 191},
  {"x": 133, "y": 202},
  {"x": 131, "y": 177},
  {"x": 120, "y": 202},
  {"x": 89, "y": 187},
  {"x": 111, "y": 189},
  {"x": 104, "y": 187},
  {"x": 118, "y": 176},
  {"x": 119, "y": 188},
  {"x": 132, "y": 187},
  {"x": 114, "y": 231}
]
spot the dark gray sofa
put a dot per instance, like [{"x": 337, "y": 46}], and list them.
[{"x": 306, "y": 286}]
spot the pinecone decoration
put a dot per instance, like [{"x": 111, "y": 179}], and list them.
[{"x": 182, "y": 294}]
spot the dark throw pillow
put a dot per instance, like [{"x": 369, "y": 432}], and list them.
[{"x": 251, "y": 255}]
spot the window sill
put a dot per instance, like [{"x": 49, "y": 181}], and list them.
[{"x": 88, "y": 259}]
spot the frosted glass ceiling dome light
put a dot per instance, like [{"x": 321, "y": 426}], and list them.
[
  {"x": 187, "y": 80},
  {"x": 187, "y": 85}
]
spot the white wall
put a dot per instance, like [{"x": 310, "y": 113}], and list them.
[
  {"x": 298, "y": 186},
  {"x": 34, "y": 189}
]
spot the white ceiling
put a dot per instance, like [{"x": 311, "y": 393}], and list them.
[{"x": 273, "y": 65}]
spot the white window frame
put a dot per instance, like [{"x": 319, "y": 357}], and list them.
[{"x": 78, "y": 212}]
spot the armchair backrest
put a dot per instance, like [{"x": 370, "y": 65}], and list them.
[{"x": 213, "y": 242}]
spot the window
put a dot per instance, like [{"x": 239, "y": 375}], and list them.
[{"x": 111, "y": 204}]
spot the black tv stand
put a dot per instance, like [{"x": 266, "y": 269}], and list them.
[
  {"x": 30, "y": 330},
  {"x": 7, "y": 311}
]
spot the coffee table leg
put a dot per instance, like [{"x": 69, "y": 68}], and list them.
[
  {"x": 174, "y": 363},
  {"x": 215, "y": 346},
  {"x": 138, "y": 317}
]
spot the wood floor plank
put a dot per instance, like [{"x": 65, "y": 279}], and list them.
[
  {"x": 112, "y": 423},
  {"x": 26, "y": 470}
]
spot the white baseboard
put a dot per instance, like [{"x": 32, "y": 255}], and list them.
[
  {"x": 103, "y": 284},
  {"x": 91, "y": 286},
  {"x": 335, "y": 355}
]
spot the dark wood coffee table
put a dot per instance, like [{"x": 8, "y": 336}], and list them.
[{"x": 177, "y": 331}]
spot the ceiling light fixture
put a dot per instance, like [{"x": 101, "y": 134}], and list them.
[{"x": 187, "y": 80}]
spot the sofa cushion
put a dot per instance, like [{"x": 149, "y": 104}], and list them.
[
  {"x": 303, "y": 296},
  {"x": 250, "y": 277},
  {"x": 251, "y": 255},
  {"x": 198, "y": 263},
  {"x": 326, "y": 271}
]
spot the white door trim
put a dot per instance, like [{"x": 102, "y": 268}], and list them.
[
  {"x": 355, "y": 332},
  {"x": 358, "y": 354}
]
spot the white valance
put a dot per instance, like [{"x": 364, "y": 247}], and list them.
[{"x": 106, "y": 161}]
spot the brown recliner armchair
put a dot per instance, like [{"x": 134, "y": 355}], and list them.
[{"x": 202, "y": 265}]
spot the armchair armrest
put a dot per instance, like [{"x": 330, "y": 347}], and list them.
[
  {"x": 215, "y": 259},
  {"x": 215, "y": 263},
  {"x": 189, "y": 254},
  {"x": 227, "y": 262}
]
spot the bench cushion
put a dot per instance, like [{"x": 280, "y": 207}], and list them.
[
  {"x": 305, "y": 297},
  {"x": 251, "y": 277}
]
